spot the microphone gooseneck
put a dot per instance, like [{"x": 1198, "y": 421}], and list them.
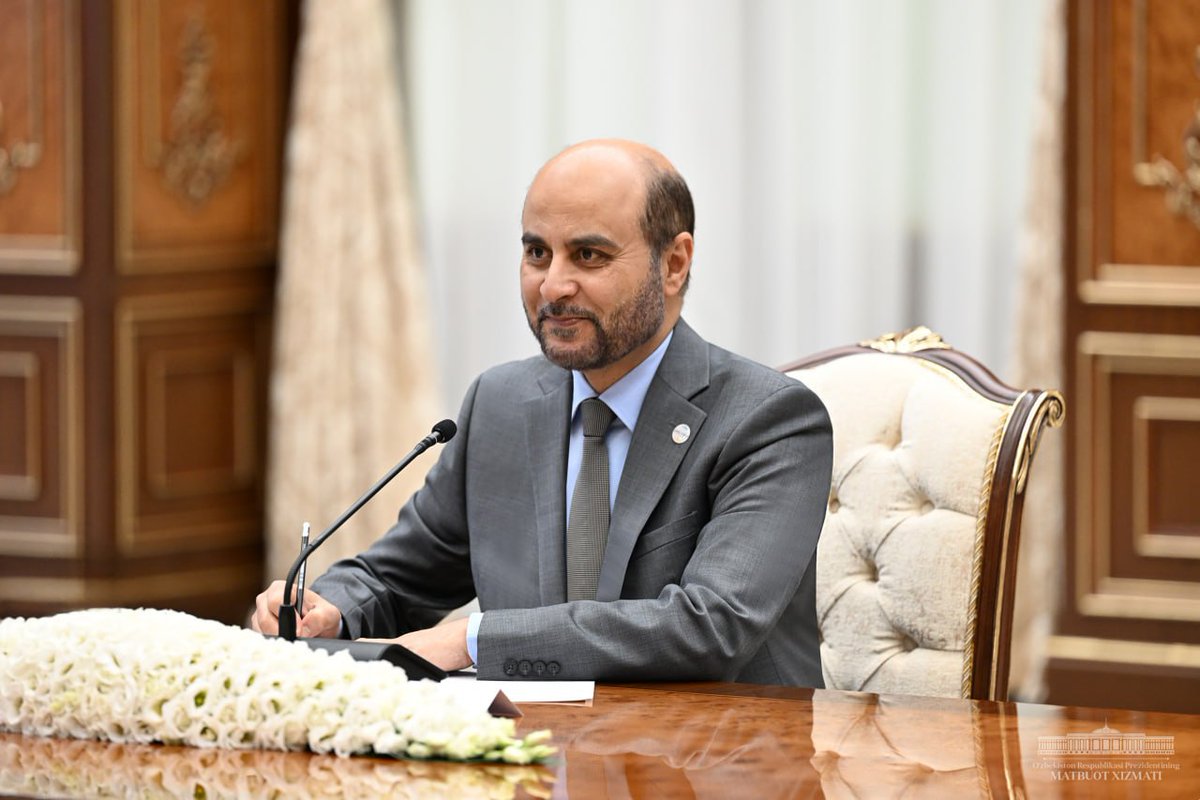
[{"x": 442, "y": 432}]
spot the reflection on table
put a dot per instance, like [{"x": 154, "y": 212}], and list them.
[
  {"x": 730, "y": 740},
  {"x": 708, "y": 740},
  {"x": 33, "y": 767}
]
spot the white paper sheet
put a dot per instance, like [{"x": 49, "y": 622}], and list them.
[
  {"x": 535, "y": 691},
  {"x": 483, "y": 695}
]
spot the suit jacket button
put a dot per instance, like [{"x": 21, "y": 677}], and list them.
[
  {"x": 524, "y": 667},
  {"x": 553, "y": 668},
  {"x": 510, "y": 667},
  {"x": 539, "y": 668}
]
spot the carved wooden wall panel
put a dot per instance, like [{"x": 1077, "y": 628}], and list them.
[
  {"x": 1144, "y": 83},
  {"x": 190, "y": 372},
  {"x": 137, "y": 266},
  {"x": 39, "y": 137},
  {"x": 1130, "y": 628},
  {"x": 1135, "y": 388},
  {"x": 1166, "y": 432},
  {"x": 40, "y": 427},
  {"x": 199, "y": 133}
]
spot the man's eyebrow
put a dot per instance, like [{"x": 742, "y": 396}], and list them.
[
  {"x": 592, "y": 240},
  {"x": 588, "y": 240}
]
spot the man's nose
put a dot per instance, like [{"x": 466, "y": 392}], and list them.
[{"x": 560, "y": 280}]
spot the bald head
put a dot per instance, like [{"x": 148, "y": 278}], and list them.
[
  {"x": 623, "y": 149},
  {"x": 666, "y": 202}
]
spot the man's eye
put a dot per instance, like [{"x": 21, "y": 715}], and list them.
[
  {"x": 536, "y": 252},
  {"x": 587, "y": 255}
]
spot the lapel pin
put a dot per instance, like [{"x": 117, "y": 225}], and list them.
[{"x": 680, "y": 434}]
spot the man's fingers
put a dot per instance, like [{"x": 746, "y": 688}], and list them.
[
  {"x": 320, "y": 622},
  {"x": 266, "y": 609},
  {"x": 264, "y": 621},
  {"x": 321, "y": 618}
]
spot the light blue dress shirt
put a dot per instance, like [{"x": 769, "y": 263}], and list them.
[{"x": 625, "y": 398}]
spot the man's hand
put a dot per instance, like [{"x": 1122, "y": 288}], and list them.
[
  {"x": 319, "y": 617},
  {"x": 442, "y": 645}
]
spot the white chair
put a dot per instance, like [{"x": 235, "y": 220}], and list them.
[{"x": 916, "y": 565}]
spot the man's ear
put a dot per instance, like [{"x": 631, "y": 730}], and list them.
[{"x": 677, "y": 264}]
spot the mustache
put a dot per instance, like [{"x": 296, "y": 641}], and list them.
[{"x": 565, "y": 310}]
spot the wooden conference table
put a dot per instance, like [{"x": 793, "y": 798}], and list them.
[{"x": 703, "y": 740}]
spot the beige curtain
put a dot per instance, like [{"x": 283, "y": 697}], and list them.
[
  {"x": 353, "y": 383},
  {"x": 1038, "y": 357}
]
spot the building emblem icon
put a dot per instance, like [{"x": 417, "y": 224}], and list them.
[{"x": 1107, "y": 741}]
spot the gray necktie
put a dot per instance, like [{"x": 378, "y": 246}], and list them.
[{"x": 587, "y": 530}]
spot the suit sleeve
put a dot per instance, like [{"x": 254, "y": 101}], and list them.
[
  {"x": 770, "y": 486},
  {"x": 420, "y": 569}
]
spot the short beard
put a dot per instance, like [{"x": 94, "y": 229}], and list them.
[{"x": 629, "y": 326}]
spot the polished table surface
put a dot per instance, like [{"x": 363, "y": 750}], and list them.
[{"x": 712, "y": 740}]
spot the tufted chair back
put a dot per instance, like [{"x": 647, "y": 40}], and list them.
[{"x": 916, "y": 563}]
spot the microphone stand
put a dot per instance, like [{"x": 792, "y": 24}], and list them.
[{"x": 412, "y": 664}]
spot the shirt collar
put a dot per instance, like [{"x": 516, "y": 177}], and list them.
[{"x": 625, "y": 397}]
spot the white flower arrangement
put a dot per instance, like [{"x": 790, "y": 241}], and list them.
[{"x": 141, "y": 676}]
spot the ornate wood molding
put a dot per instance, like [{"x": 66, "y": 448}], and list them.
[
  {"x": 26, "y": 529},
  {"x": 165, "y": 507},
  {"x": 196, "y": 156},
  {"x": 26, "y": 153},
  {"x": 1124, "y": 589},
  {"x": 198, "y": 104},
  {"x": 1181, "y": 187}
]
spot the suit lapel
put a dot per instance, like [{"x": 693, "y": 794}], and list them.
[
  {"x": 653, "y": 455},
  {"x": 547, "y": 426}
]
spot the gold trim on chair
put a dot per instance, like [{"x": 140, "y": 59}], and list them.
[
  {"x": 913, "y": 340},
  {"x": 981, "y": 519},
  {"x": 1049, "y": 409}
]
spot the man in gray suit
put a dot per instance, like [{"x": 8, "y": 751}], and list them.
[{"x": 677, "y": 543}]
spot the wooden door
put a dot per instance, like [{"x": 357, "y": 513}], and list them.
[
  {"x": 1129, "y": 634},
  {"x": 140, "y": 145}
]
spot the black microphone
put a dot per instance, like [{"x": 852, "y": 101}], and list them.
[{"x": 442, "y": 432}]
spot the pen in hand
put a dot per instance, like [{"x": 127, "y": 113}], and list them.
[{"x": 304, "y": 531}]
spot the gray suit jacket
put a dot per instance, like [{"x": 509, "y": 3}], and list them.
[{"x": 709, "y": 572}]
